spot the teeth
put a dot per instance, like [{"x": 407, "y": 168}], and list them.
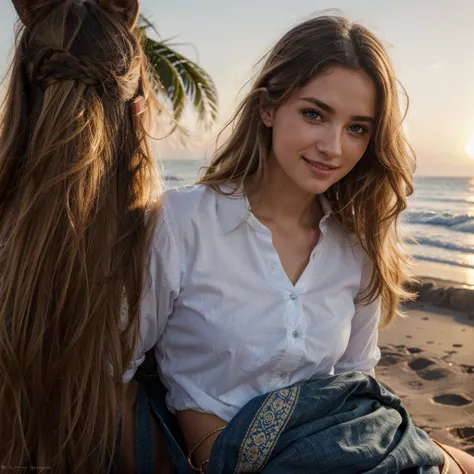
[{"x": 317, "y": 165}]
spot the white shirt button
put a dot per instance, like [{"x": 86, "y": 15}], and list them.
[
  {"x": 296, "y": 334},
  {"x": 293, "y": 296}
]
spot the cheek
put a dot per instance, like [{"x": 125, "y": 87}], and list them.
[
  {"x": 290, "y": 137},
  {"x": 354, "y": 151}
]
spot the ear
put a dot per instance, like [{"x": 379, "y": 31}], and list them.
[
  {"x": 128, "y": 10},
  {"x": 266, "y": 110},
  {"x": 28, "y": 9}
]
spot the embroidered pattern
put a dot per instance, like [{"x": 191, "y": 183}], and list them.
[{"x": 265, "y": 429}]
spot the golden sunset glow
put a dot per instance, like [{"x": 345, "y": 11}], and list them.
[{"x": 470, "y": 148}]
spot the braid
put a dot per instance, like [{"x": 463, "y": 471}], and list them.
[
  {"x": 108, "y": 78},
  {"x": 54, "y": 66}
]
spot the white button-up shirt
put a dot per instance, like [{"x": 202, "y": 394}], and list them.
[{"x": 226, "y": 322}]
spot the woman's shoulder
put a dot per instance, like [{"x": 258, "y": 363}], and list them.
[
  {"x": 187, "y": 212},
  {"x": 187, "y": 203},
  {"x": 186, "y": 198},
  {"x": 347, "y": 242},
  {"x": 185, "y": 190}
]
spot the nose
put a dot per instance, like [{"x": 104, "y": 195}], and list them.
[{"x": 330, "y": 142}]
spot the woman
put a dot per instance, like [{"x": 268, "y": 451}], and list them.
[
  {"x": 76, "y": 214},
  {"x": 77, "y": 219},
  {"x": 275, "y": 271}
]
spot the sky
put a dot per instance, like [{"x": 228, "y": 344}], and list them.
[{"x": 431, "y": 43}]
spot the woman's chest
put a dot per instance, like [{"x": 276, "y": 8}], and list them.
[
  {"x": 238, "y": 305},
  {"x": 249, "y": 323},
  {"x": 269, "y": 331},
  {"x": 294, "y": 250}
]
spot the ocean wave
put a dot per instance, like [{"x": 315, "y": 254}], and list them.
[
  {"x": 421, "y": 197},
  {"x": 458, "y": 222},
  {"x": 443, "y": 244},
  {"x": 442, "y": 259},
  {"x": 173, "y": 178}
]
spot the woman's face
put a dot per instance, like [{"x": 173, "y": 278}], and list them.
[{"x": 324, "y": 128}]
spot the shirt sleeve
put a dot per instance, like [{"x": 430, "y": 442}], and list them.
[
  {"x": 161, "y": 289},
  {"x": 362, "y": 352}
]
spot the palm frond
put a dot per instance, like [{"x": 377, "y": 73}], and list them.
[
  {"x": 182, "y": 81},
  {"x": 145, "y": 24}
]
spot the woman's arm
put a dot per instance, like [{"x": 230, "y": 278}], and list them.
[
  {"x": 161, "y": 288},
  {"x": 362, "y": 352}
]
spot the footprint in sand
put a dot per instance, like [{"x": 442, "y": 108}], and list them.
[
  {"x": 421, "y": 363},
  {"x": 434, "y": 374},
  {"x": 452, "y": 399},
  {"x": 430, "y": 342},
  {"x": 468, "y": 369},
  {"x": 408, "y": 336},
  {"x": 457, "y": 345},
  {"x": 425, "y": 318},
  {"x": 389, "y": 359},
  {"x": 401, "y": 349},
  {"x": 414, "y": 350},
  {"x": 462, "y": 433}
]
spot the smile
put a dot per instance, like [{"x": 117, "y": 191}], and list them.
[{"x": 318, "y": 165}]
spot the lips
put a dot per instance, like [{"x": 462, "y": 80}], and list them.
[{"x": 320, "y": 165}]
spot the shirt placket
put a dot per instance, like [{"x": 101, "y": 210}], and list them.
[
  {"x": 296, "y": 329},
  {"x": 295, "y": 335}
]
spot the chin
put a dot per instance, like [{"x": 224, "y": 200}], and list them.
[{"x": 315, "y": 186}]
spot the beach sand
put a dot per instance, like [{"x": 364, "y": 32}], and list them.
[{"x": 428, "y": 361}]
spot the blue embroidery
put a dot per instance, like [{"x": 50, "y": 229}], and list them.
[{"x": 265, "y": 429}]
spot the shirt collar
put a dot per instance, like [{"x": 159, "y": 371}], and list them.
[
  {"x": 234, "y": 210},
  {"x": 326, "y": 207}
]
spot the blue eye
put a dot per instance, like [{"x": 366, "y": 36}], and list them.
[
  {"x": 311, "y": 114},
  {"x": 359, "y": 129}
]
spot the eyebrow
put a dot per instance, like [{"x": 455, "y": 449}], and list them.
[{"x": 330, "y": 110}]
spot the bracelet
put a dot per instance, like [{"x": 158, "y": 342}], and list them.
[{"x": 190, "y": 454}]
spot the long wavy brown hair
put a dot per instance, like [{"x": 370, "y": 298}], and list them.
[
  {"x": 368, "y": 201},
  {"x": 76, "y": 214}
]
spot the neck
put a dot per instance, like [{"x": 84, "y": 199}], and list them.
[{"x": 281, "y": 201}]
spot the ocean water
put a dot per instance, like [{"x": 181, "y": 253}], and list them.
[{"x": 440, "y": 217}]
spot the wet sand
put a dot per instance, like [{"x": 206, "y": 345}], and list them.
[{"x": 428, "y": 361}]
